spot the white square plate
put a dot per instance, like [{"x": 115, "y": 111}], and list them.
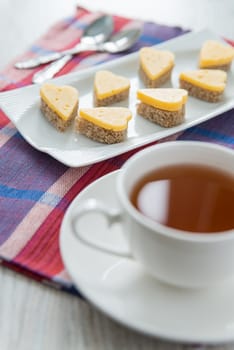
[{"x": 72, "y": 149}]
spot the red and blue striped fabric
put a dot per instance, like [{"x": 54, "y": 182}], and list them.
[{"x": 36, "y": 190}]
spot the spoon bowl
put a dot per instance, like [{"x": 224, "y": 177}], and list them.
[
  {"x": 98, "y": 31},
  {"x": 121, "y": 41}
]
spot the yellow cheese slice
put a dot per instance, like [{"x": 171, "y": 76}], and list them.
[
  {"x": 214, "y": 53},
  {"x": 166, "y": 99},
  {"x": 111, "y": 118},
  {"x": 210, "y": 79},
  {"x": 107, "y": 84},
  {"x": 155, "y": 62},
  {"x": 60, "y": 99}
]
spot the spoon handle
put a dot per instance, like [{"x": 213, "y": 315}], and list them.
[
  {"x": 37, "y": 61},
  {"x": 50, "y": 71}
]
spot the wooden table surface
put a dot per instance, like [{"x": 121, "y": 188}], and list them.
[{"x": 36, "y": 317}]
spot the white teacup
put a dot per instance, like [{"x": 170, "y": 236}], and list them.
[{"x": 171, "y": 255}]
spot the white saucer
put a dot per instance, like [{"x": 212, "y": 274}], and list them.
[{"x": 120, "y": 288}]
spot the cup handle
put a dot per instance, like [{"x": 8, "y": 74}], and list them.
[{"x": 112, "y": 216}]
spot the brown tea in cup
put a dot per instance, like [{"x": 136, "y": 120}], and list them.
[{"x": 194, "y": 198}]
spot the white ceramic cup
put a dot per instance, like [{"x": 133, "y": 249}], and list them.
[{"x": 171, "y": 255}]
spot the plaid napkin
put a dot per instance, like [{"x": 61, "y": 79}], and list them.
[{"x": 36, "y": 190}]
